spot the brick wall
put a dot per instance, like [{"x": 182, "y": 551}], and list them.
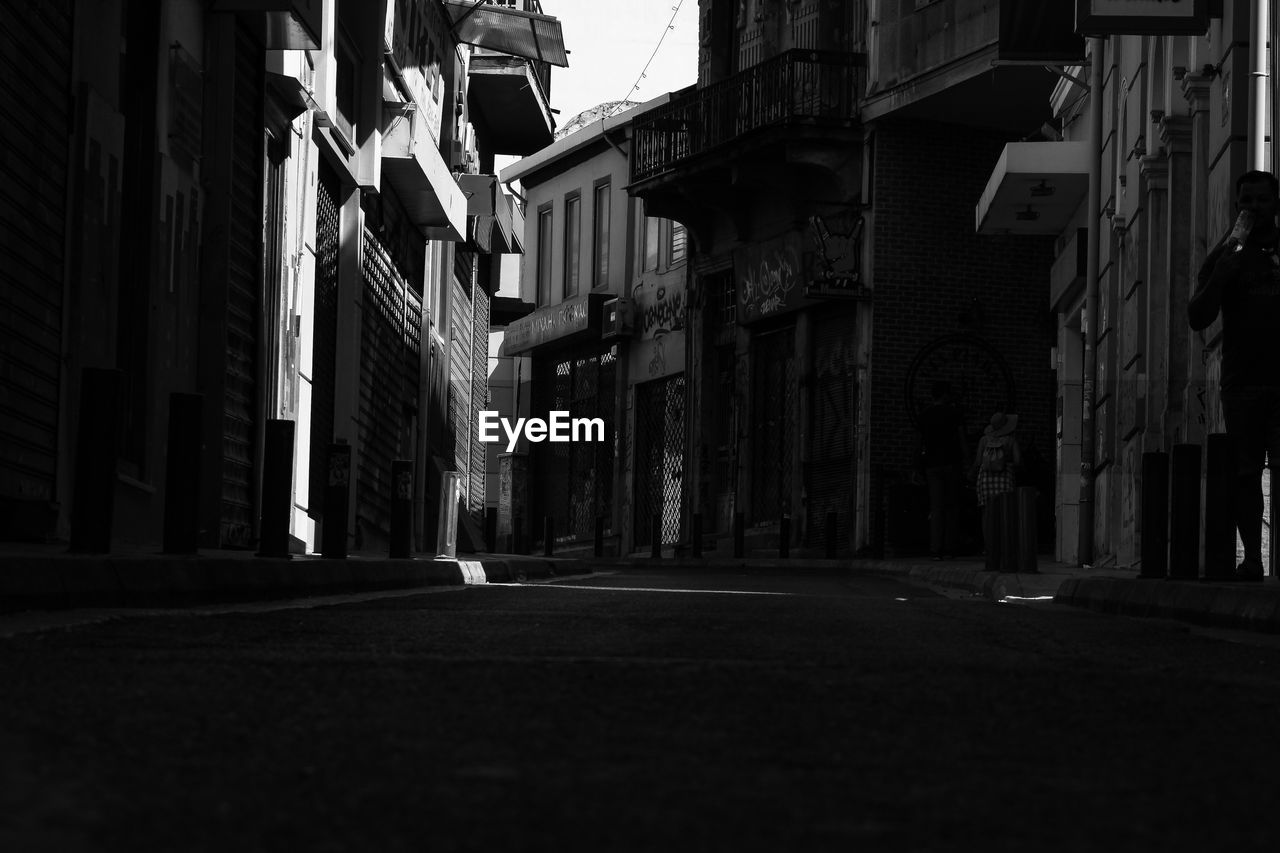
[{"x": 928, "y": 267}]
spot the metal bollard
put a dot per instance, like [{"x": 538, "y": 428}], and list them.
[
  {"x": 182, "y": 475},
  {"x": 784, "y": 537},
  {"x": 1008, "y": 507},
  {"x": 655, "y": 542},
  {"x": 1155, "y": 515},
  {"x": 401, "y": 508},
  {"x": 277, "y": 489},
  {"x": 695, "y": 536},
  {"x": 1184, "y": 513},
  {"x": 548, "y": 536},
  {"x": 447, "y": 528},
  {"x": 1219, "y": 507},
  {"x": 97, "y": 446},
  {"x": 832, "y": 535},
  {"x": 1028, "y": 541},
  {"x": 337, "y": 503},
  {"x": 739, "y": 545},
  {"x": 599, "y": 544}
]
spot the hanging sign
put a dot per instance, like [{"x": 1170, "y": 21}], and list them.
[{"x": 1142, "y": 17}]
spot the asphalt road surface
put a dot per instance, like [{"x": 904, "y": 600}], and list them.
[{"x": 636, "y": 711}]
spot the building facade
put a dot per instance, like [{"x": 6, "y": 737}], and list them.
[
  {"x": 1177, "y": 119},
  {"x": 825, "y": 165},
  {"x": 606, "y": 340},
  {"x": 281, "y": 211}
]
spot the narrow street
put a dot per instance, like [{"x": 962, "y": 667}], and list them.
[{"x": 635, "y": 711}]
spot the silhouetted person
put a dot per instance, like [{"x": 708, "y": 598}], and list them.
[
  {"x": 942, "y": 453},
  {"x": 995, "y": 471},
  {"x": 1241, "y": 279}
]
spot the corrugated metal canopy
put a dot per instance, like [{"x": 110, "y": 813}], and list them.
[{"x": 508, "y": 30}]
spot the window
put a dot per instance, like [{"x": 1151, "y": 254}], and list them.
[
  {"x": 572, "y": 243},
  {"x": 649, "y": 238},
  {"x": 728, "y": 299},
  {"x": 345, "y": 85},
  {"x": 677, "y": 243},
  {"x": 544, "y": 255},
  {"x": 600, "y": 236}
]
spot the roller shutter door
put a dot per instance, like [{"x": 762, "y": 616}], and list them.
[
  {"x": 35, "y": 122},
  {"x": 244, "y": 286},
  {"x": 832, "y": 468}
]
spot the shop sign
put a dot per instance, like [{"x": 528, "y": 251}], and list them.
[
  {"x": 413, "y": 35},
  {"x": 572, "y": 318},
  {"x": 1142, "y": 17}
]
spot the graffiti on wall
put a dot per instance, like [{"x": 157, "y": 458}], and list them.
[
  {"x": 837, "y": 247},
  {"x": 770, "y": 277},
  {"x": 661, "y": 308}
]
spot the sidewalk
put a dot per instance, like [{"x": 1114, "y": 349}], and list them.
[
  {"x": 1249, "y": 606},
  {"x": 48, "y": 577},
  {"x": 1240, "y": 606}
]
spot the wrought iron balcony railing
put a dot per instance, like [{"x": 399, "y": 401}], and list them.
[{"x": 796, "y": 87}]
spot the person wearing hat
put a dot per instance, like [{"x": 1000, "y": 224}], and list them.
[{"x": 995, "y": 473}]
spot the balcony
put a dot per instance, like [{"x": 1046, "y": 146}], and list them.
[
  {"x": 509, "y": 105},
  {"x": 280, "y": 24},
  {"x": 412, "y": 165},
  {"x": 509, "y": 75},
  {"x": 799, "y": 88}
]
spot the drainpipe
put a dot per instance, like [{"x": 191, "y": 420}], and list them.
[
  {"x": 1088, "y": 390},
  {"x": 1258, "y": 29}
]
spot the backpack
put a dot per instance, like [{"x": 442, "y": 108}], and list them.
[{"x": 995, "y": 456}]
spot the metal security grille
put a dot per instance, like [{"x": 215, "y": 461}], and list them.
[
  {"x": 244, "y": 284},
  {"x": 35, "y": 41},
  {"x": 659, "y": 464},
  {"x": 573, "y": 481},
  {"x": 773, "y": 404},
  {"x": 389, "y": 348},
  {"x": 460, "y": 380},
  {"x": 479, "y": 399},
  {"x": 325, "y": 336},
  {"x": 832, "y": 469}
]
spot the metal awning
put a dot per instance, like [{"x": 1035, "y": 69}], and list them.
[
  {"x": 508, "y": 30},
  {"x": 1035, "y": 188}
]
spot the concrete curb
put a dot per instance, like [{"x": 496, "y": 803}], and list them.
[
  {"x": 1243, "y": 606},
  {"x": 58, "y": 581}
]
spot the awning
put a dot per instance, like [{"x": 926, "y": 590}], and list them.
[
  {"x": 505, "y": 310},
  {"x": 508, "y": 30},
  {"x": 1035, "y": 188}
]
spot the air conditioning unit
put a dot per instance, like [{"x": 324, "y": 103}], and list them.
[{"x": 619, "y": 318}]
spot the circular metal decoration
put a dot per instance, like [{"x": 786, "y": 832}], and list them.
[{"x": 981, "y": 381}]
